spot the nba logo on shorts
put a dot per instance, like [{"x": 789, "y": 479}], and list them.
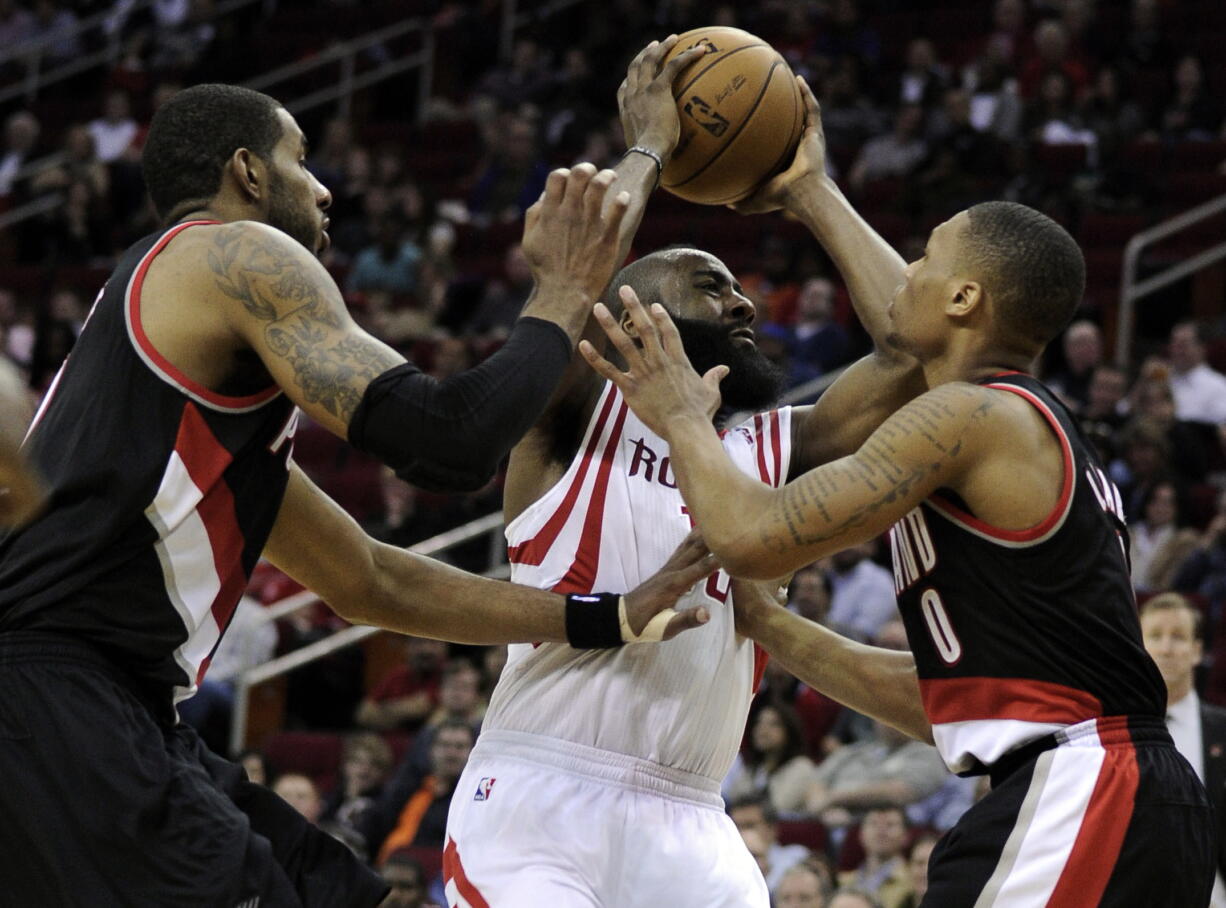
[{"x": 484, "y": 787}]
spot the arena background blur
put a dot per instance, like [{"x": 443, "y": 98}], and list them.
[{"x": 434, "y": 124}]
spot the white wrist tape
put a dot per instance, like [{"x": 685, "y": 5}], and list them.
[{"x": 652, "y": 633}]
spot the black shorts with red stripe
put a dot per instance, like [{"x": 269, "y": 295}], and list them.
[
  {"x": 1106, "y": 813},
  {"x": 106, "y": 804}
]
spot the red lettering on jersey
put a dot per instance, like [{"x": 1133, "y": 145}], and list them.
[{"x": 644, "y": 457}]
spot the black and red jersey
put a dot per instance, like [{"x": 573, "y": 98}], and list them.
[
  {"x": 1017, "y": 634},
  {"x": 162, "y": 495}
]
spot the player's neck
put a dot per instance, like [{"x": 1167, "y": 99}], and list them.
[
  {"x": 971, "y": 365},
  {"x": 1175, "y": 693}
]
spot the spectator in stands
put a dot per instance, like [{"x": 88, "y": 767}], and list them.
[
  {"x": 884, "y": 872},
  {"x": 387, "y": 266},
  {"x": 1200, "y": 390},
  {"x": 493, "y": 661},
  {"x": 409, "y": 693},
  {"x": 328, "y": 158},
  {"x": 771, "y": 283},
  {"x": 114, "y": 131},
  {"x": 405, "y": 519},
  {"x": 895, "y": 154},
  {"x": 862, "y": 598},
  {"x": 1147, "y": 46},
  {"x": 503, "y": 299},
  {"x": 853, "y": 898},
  {"x": 525, "y": 80},
  {"x": 848, "y": 116},
  {"x": 754, "y": 816},
  {"x": 1052, "y": 56},
  {"x": 1083, "y": 352},
  {"x": 801, "y": 887},
  {"x": 995, "y": 107},
  {"x": 78, "y": 232},
  {"x": 773, "y": 759},
  {"x": 1161, "y": 540},
  {"x": 816, "y": 343},
  {"x": 80, "y": 163},
  {"x": 16, "y": 25},
  {"x": 1051, "y": 118},
  {"x": 21, "y": 131},
  {"x": 1115, "y": 118},
  {"x": 1154, "y": 400},
  {"x": 843, "y": 33},
  {"x": 917, "y": 867},
  {"x": 365, "y": 762},
  {"x": 514, "y": 176},
  {"x": 1144, "y": 461},
  {"x": 1009, "y": 33},
  {"x": 183, "y": 36},
  {"x": 1204, "y": 571},
  {"x": 809, "y": 594},
  {"x": 405, "y": 875},
  {"x": 890, "y": 769},
  {"x": 961, "y": 158},
  {"x": 923, "y": 79},
  {"x": 459, "y": 700},
  {"x": 55, "y": 26},
  {"x": 300, "y": 793},
  {"x": 254, "y": 765},
  {"x": 1190, "y": 113},
  {"x": 1171, "y": 629},
  {"x": 1102, "y": 416},
  {"x": 423, "y": 820}
]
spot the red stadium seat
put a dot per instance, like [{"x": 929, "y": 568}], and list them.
[
  {"x": 315, "y": 754},
  {"x": 810, "y": 833}
]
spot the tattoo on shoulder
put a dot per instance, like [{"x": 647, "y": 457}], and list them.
[
  {"x": 275, "y": 286},
  {"x": 806, "y": 510}
]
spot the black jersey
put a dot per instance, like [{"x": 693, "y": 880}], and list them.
[
  {"x": 1017, "y": 634},
  {"x": 162, "y": 495}
]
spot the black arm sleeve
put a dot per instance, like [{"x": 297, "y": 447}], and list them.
[{"x": 451, "y": 435}]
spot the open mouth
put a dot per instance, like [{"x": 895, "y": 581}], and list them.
[{"x": 744, "y": 336}]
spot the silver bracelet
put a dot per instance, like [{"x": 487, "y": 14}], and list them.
[{"x": 651, "y": 154}]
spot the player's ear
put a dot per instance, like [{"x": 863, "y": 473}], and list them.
[
  {"x": 248, "y": 173},
  {"x": 627, "y": 324},
  {"x": 965, "y": 298}
]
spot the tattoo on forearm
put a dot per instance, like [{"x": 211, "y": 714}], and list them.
[
  {"x": 275, "y": 287},
  {"x": 807, "y": 508}
]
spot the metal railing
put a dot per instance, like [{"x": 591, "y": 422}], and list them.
[
  {"x": 34, "y": 51},
  {"x": 345, "y": 55},
  {"x": 350, "y": 636},
  {"x": 1133, "y": 290}
]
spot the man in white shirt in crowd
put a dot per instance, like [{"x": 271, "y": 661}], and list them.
[
  {"x": 1170, "y": 625},
  {"x": 1200, "y": 390}
]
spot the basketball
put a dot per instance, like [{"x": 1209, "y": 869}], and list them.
[{"x": 741, "y": 117}]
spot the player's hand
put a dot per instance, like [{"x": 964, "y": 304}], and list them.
[
  {"x": 659, "y": 383},
  {"x": 809, "y": 163},
  {"x": 689, "y": 564},
  {"x": 571, "y": 238},
  {"x": 754, "y": 600},
  {"x": 645, "y": 99}
]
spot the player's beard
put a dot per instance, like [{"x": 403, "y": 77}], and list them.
[
  {"x": 753, "y": 382},
  {"x": 300, "y": 225}
]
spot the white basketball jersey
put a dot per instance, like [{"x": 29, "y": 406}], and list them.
[{"x": 610, "y": 523}]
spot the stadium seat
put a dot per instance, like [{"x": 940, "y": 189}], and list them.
[
  {"x": 316, "y": 754},
  {"x": 810, "y": 833}
]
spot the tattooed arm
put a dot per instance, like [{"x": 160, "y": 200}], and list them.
[
  {"x": 760, "y": 532},
  {"x": 288, "y": 309},
  {"x": 448, "y": 434}
]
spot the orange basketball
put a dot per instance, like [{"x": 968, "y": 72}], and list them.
[{"x": 741, "y": 117}]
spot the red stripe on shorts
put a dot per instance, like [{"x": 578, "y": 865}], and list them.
[
  {"x": 1097, "y": 847},
  {"x": 453, "y": 871}
]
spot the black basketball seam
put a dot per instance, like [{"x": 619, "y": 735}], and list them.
[
  {"x": 770, "y": 74},
  {"x": 702, "y": 72},
  {"x": 776, "y": 169}
]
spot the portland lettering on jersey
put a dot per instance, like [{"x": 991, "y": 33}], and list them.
[{"x": 913, "y": 554}]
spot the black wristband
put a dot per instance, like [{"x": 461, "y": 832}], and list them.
[{"x": 592, "y": 622}]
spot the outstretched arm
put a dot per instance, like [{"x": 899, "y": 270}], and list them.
[
  {"x": 877, "y": 682},
  {"x": 873, "y": 388},
  {"x": 21, "y": 490},
  {"x": 367, "y": 582},
  {"x": 452, "y": 433},
  {"x": 760, "y": 532}
]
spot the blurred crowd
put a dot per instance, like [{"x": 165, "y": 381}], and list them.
[{"x": 1105, "y": 115}]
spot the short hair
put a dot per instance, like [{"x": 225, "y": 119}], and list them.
[
  {"x": 196, "y": 132},
  {"x": 1031, "y": 267},
  {"x": 1200, "y": 331},
  {"x": 452, "y": 723},
  {"x": 759, "y": 799},
  {"x": 1170, "y": 602},
  {"x": 645, "y": 275},
  {"x": 371, "y": 744}
]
